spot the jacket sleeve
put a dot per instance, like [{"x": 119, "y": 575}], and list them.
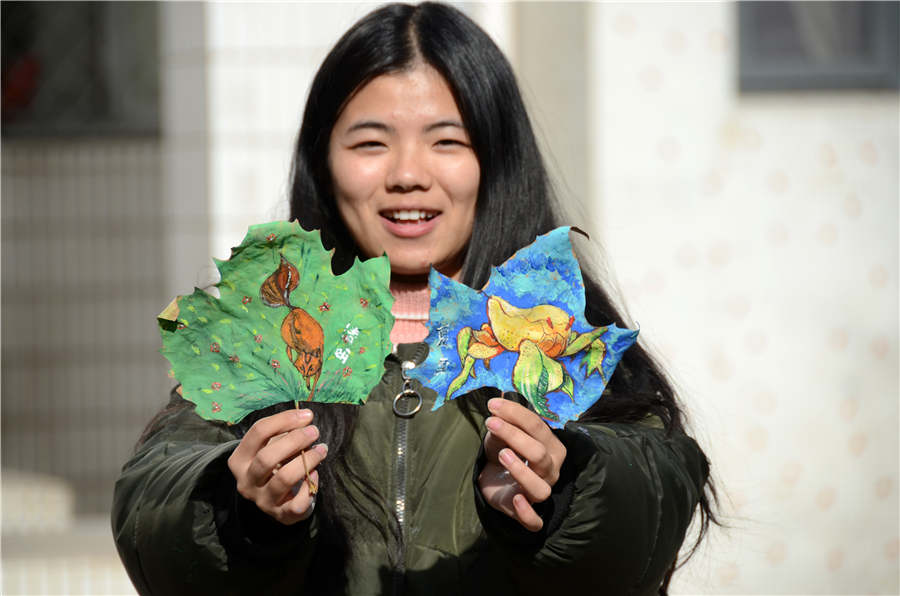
[
  {"x": 181, "y": 527},
  {"x": 617, "y": 517}
]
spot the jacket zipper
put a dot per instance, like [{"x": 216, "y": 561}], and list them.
[
  {"x": 400, "y": 445},
  {"x": 401, "y": 435}
]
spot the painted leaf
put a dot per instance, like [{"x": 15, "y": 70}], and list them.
[
  {"x": 524, "y": 332},
  {"x": 285, "y": 328}
]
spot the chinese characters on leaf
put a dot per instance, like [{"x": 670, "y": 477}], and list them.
[
  {"x": 524, "y": 332},
  {"x": 285, "y": 328}
]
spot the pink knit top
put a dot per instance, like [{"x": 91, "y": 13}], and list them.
[{"x": 410, "y": 310}]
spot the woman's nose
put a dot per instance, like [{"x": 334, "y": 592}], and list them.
[{"x": 408, "y": 171}]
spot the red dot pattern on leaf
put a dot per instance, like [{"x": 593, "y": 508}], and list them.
[
  {"x": 246, "y": 300},
  {"x": 214, "y": 347},
  {"x": 257, "y": 339},
  {"x": 234, "y": 358},
  {"x": 347, "y": 371},
  {"x": 271, "y": 237},
  {"x": 362, "y": 350},
  {"x": 216, "y": 386},
  {"x": 216, "y": 407},
  {"x": 275, "y": 364},
  {"x": 363, "y": 302},
  {"x": 324, "y": 307}
]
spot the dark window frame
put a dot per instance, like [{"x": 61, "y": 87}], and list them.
[
  {"x": 758, "y": 72},
  {"x": 116, "y": 59}
]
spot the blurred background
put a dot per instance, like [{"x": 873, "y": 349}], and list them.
[{"x": 738, "y": 164}]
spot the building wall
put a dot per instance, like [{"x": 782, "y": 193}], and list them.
[
  {"x": 755, "y": 241},
  {"x": 82, "y": 283},
  {"x": 185, "y": 197}
]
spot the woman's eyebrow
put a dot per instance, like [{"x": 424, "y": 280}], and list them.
[
  {"x": 381, "y": 126},
  {"x": 374, "y": 124},
  {"x": 443, "y": 123}
]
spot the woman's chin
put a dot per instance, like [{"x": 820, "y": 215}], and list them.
[
  {"x": 420, "y": 275},
  {"x": 414, "y": 268}
]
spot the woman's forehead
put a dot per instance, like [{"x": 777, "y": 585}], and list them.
[{"x": 419, "y": 95}]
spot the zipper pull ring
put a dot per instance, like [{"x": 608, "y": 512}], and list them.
[{"x": 407, "y": 392}]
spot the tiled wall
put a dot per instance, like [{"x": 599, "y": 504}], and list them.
[
  {"x": 82, "y": 283},
  {"x": 755, "y": 239},
  {"x": 81, "y": 560}
]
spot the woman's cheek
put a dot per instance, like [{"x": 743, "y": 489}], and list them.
[
  {"x": 356, "y": 179},
  {"x": 464, "y": 177}
]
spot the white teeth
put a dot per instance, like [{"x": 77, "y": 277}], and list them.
[{"x": 410, "y": 215}]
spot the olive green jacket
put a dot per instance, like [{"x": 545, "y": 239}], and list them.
[{"x": 614, "y": 524}]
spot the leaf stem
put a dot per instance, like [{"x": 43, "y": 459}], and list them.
[{"x": 313, "y": 489}]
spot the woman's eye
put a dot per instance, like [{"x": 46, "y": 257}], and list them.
[
  {"x": 450, "y": 143},
  {"x": 368, "y": 145}
]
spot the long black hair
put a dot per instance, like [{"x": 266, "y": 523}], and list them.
[{"x": 515, "y": 198}]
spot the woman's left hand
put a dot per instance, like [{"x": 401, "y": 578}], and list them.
[{"x": 523, "y": 462}]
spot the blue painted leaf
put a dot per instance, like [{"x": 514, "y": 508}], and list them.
[{"x": 525, "y": 331}]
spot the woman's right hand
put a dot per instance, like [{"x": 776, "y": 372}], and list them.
[{"x": 267, "y": 464}]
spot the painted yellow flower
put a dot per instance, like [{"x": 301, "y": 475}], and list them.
[{"x": 540, "y": 335}]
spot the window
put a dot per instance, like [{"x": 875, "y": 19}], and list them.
[
  {"x": 78, "y": 68},
  {"x": 818, "y": 45}
]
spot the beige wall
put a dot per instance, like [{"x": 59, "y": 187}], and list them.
[
  {"x": 755, "y": 238},
  {"x": 552, "y": 60}
]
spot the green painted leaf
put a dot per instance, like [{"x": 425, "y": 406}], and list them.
[
  {"x": 593, "y": 359},
  {"x": 323, "y": 336},
  {"x": 535, "y": 375},
  {"x": 568, "y": 386}
]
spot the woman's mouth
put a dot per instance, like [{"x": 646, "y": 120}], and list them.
[
  {"x": 409, "y": 223},
  {"x": 409, "y": 216}
]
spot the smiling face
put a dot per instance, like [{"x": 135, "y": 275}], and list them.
[{"x": 404, "y": 174}]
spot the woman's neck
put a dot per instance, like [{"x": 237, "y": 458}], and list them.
[{"x": 412, "y": 300}]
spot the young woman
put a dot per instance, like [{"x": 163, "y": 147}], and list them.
[{"x": 415, "y": 142}]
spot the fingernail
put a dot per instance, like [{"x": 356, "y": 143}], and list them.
[
  {"x": 304, "y": 415},
  {"x": 494, "y": 404},
  {"x": 506, "y": 456},
  {"x": 311, "y": 431},
  {"x": 323, "y": 447},
  {"x": 494, "y": 424}
]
